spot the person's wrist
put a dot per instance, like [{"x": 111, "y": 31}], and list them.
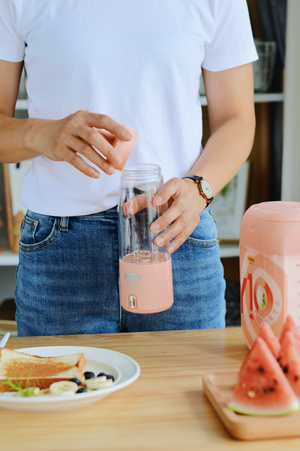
[
  {"x": 204, "y": 187},
  {"x": 32, "y": 135},
  {"x": 200, "y": 200}
]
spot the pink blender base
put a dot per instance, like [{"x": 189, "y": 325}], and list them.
[
  {"x": 123, "y": 147},
  {"x": 146, "y": 288}
]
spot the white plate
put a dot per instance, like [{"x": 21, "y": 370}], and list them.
[{"x": 124, "y": 369}]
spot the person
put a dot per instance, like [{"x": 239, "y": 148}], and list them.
[{"x": 100, "y": 65}]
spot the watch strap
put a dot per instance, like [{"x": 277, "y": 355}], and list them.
[{"x": 198, "y": 179}]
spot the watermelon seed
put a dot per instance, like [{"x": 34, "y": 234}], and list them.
[
  {"x": 251, "y": 394},
  {"x": 296, "y": 378},
  {"x": 275, "y": 381},
  {"x": 261, "y": 369},
  {"x": 272, "y": 389},
  {"x": 285, "y": 369}
]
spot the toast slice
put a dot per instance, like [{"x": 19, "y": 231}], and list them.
[{"x": 31, "y": 370}]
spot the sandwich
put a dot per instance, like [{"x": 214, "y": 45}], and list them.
[{"x": 35, "y": 371}]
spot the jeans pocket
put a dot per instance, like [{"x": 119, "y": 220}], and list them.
[
  {"x": 37, "y": 231},
  {"x": 205, "y": 234}
]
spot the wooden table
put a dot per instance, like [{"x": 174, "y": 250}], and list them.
[{"x": 165, "y": 409}]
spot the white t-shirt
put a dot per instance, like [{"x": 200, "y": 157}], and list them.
[{"x": 138, "y": 61}]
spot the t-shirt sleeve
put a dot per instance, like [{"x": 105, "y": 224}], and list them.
[
  {"x": 231, "y": 43},
  {"x": 12, "y": 45}
]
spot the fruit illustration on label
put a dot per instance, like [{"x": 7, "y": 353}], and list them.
[
  {"x": 261, "y": 296},
  {"x": 263, "y": 285}
]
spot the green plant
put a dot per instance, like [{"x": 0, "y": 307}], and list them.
[{"x": 28, "y": 390}]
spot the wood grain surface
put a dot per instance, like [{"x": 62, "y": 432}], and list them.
[
  {"x": 218, "y": 388},
  {"x": 165, "y": 409}
]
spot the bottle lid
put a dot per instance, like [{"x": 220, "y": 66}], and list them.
[
  {"x": 276, "y": 211},
  {"x": 123, "y": 147}
]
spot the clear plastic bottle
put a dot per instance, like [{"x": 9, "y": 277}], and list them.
[{"x": 146, "y": 284}]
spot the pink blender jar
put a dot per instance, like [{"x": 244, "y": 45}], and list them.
[
  {"x": 269, "y": 267},
  {"x": 146, "y": 284}
]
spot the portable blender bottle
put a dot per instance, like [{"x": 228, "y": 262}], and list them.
[
  {"x": 146, "y": 284},
  {"x": 269, "y": 266}
]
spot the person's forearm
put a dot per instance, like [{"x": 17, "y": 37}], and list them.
[
  {"x": 16, "y": 143},
  {"x": 66, "y": 139},
  {"x": 225, "y": 151}
]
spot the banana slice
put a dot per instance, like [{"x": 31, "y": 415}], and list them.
[
  {"x": 63, "y": 388},
  {"x": 98, "y": 382},
  {"x": 44, "y": 392},
  {"x": 30, "y": 391}
]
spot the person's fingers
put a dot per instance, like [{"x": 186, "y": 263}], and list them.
[
  {"x": 76, "y": 140},
  {"x": 105, "y": 122},
  {"x": 182, "y": 216},
  {"x": 136, "y": 204}
]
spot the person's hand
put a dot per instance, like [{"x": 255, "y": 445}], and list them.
[
  {"x": 76, "y": 136},
  {"x": 182, "y": 216},
  {"x": 139, "y": 202}
]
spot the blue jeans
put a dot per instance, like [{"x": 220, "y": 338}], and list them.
[{"x": 68, "y": 279}]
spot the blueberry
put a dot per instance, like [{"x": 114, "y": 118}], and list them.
[
  {"x": 76, "y": 380},
  {"x": 89, "y": 375},
  {"x": 109, "y": 376},
  {"x": 101, "y": 374},
  {"x": 82, "y": 390}
]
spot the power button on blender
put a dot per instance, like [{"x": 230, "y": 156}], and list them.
[{"x": 132, "y": 301}]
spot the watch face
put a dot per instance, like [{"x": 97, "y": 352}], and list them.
[{"x": 206, "y": 188}]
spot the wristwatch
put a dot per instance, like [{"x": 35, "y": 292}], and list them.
[{"x": 204, "y": 187}]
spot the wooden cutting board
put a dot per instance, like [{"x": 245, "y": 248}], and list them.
[{"x": 218, "y": 388}]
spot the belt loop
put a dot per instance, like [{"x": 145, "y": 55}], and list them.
[{"x": 64, "y": 224}]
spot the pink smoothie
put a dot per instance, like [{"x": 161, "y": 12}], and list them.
[{"x": 146, "y": 284}]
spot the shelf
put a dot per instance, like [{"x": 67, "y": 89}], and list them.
[
  {"x": 8, "y": 258},
  {"x": 21, "y": 104},
  {"x": 259, "y": 97},
  {"x": 228, "y": 250},
  {"x": 262, "y": 97}
]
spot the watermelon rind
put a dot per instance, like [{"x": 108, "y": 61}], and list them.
[
  {"x": 242, "y": 409},
  {"x": 262, "y": 388}
]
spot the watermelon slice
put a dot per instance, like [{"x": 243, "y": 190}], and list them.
[
  {"x": 262, "y": 388},
  {"x": 267, "y": 334},
  {"x": 290, "y": 325},
  {"x": 289, "y": 360}
]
